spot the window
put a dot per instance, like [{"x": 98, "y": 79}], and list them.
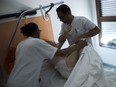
[{"x": 106, "y": 17}]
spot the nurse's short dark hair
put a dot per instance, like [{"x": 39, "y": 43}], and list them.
[
  {"x": 64, "y": 9},
  {"x": 29, "y": 29}
]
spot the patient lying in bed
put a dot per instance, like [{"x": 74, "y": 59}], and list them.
[
  {"x": 64, "y": 65},
  {"x": 87, "y": 72}
]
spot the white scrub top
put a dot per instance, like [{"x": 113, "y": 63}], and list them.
[
  {"x": 79, "y": 26},
  {"x": 30, "y": 54}
]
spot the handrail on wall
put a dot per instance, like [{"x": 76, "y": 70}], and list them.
[{"x": 23, "y": 14}]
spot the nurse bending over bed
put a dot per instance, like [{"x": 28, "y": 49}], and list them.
[{"x": 30, "y": 54}]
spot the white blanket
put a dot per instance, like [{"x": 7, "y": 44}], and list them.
[{"x": 88, "y": 71}]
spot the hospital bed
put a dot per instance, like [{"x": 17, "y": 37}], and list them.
[{"x": 89, "y": 71}]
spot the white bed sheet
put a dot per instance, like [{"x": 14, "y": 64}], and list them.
[
  {"x": 111, "y": 78},
  {"x": 88, "y": 72}
]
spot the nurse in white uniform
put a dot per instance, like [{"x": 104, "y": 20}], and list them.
[{"x": 30, "y": 53}]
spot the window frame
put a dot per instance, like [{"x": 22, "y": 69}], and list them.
[{"x": 101, "y": 19}]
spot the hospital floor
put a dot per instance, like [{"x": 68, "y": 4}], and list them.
[{"x": 109, "y": 67}]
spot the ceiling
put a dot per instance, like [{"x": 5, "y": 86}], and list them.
[{"x": 9, "y": 8}]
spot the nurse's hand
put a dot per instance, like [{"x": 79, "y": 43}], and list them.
[
  {"x": 62, "y": 38},
  {"x": 82, "y": 43}
]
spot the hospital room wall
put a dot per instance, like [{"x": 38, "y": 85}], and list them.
[
  {"x": 80, "y": 8},
  {"x": 108, "y": 55}
]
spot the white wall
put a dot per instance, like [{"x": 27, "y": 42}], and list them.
[
  {"x": 79, "y": 7},
  {"x": 108, "y": 55}
]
